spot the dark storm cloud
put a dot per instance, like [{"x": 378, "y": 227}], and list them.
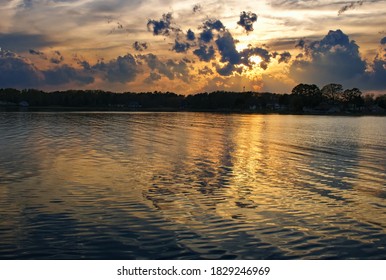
[
  {"x": 205, "y": 53},
  {"x": 140, "y": 46},
  {"x": 180, "y": 47},
  {"x": 163, "y": 26},
  {"x": 246, "y": 20},
  {"x": 21, "y": 42},
  {"x": 333, "y": 59},
  {"x": 123, "y": 69},
  {"x": 284, "y": 57}
]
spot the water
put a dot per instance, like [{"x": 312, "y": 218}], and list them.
[{"x": 191, "y": 186}]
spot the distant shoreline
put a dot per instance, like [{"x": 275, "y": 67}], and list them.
[
  {"x": 303, "y": 100},
  {"x": 59, "y": 109}
]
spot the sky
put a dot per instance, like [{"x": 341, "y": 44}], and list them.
[{"x": 189, "y": 47}]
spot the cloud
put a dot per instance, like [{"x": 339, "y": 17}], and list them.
[
  {"x": 140, "y": 46},
  {"x": 261, "y": 52},
  {"x": 206, "y": 36},
  {"x": 57, "y": 58},
  {"x": 180, "y": 47},
  {"x": 228, "y": 69},
  {"x": 153, "y": 77},
  {"x": 155, "y": 64},
  {"x": 38, "y": 53},
  {"x": 205, "y": 71},
  {"x": 300, "y": 44},
  {"x": 26, "y": 4},
  {"x": 336, "y": 59},
  {"x": 284, "y": 57},
  {"x": 246, "y": 20},
  {"x": 350, "y": 6},
  {"x": 333, "y": 59},
  {"x": 208, "y": 27},
  {"x": 35, "y": 52},
  {"x": 17, "y": 72},
  {"x": 375, "y": 80},
  {"x": 163, "y": 26},
  {"x": 205, "y": 53},
  {"x": 123, "y": 69},
  {"x": 298, "y": 4},
  {"x": 190, "y": 35},
  {"x": 197, "y": 8},
  {"x": 224, "y": 43},
  {"x": 112, "y": 6},
  {"x": 229, "y": 55},
  {"x": 66, "y": 74},
  {"x": 227, "y": 48},
  {"x": 213, "y": 24},
  {"x": 22, "y": 42},
  {"x": 170, "y": 68},
  {"x": 85, "y": 64}
]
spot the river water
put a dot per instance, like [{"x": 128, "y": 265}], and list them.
[{"x": 92, "y": 185}]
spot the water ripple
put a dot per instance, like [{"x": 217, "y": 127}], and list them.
[{"x": 88, "y": 185}]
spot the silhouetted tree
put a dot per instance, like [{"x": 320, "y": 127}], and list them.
[
  {"x": 352, "y": 97},
  {"x": 332, "y": 93},
  {"x": 310, "y": 95},
  {"x": 381, "y": 101}
]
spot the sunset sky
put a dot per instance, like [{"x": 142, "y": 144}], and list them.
[{"x": 190, "y": 47}]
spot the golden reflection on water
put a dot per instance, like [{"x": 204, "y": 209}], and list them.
[{"x": 282, "y": 180}]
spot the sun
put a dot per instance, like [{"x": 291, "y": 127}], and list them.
[{"x": 255, "y": 59}]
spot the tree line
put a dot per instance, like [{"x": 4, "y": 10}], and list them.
[{"x": 304, "y": 98}]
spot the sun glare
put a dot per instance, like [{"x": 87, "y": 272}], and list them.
[{"x": 255, "y": 59}]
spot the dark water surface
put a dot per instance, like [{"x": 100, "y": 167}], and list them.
[{"x": 191, "y": 186}]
